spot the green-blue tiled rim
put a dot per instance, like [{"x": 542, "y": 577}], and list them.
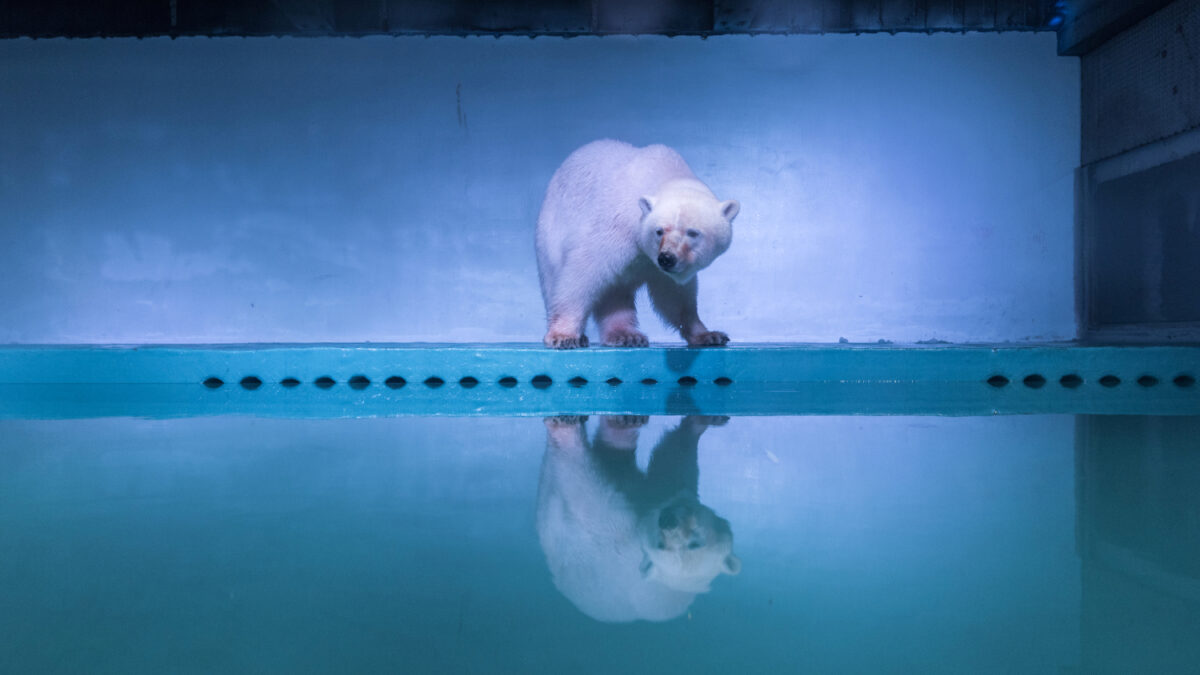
[{"x": 499, "y": 379}]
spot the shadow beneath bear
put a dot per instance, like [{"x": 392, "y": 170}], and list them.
[{"x": 623, "y": 545}]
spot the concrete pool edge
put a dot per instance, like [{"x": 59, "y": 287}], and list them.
[{"x": 340, "y": 380}]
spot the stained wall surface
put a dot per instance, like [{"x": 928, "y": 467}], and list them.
[
  {"x": 1139, "y": 207},
  {"x": 906, "y": 187}
]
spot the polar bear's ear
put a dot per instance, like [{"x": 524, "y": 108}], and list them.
[
  {"x": 732, "y": 564},
  {"x": 729, "y": 209},
  {"x": 646, "y": 204}
]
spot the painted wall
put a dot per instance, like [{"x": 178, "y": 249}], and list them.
[{"x": 904, "y": 187}]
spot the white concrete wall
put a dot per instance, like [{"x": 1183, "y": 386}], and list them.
[{"x": 903, "y": 187}]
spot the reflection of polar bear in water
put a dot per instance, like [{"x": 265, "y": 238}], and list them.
[{"x": 623, "y": 545}]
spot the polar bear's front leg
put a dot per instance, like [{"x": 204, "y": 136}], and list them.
[
  {"x": 566, "y": 432},
  {"x": 617, "y": 318},
  {"x": 676, "y": 304},
  {"x": 567, "y": 309},
  {"x": 620, "y": 432}
]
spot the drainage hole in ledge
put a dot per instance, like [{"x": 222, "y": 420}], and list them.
[
  {"x": 613, "y": 381},
  {"x": 1147, "y": 380},
  {"x": 722, "y": 381},
  {"x": 577, "y": 381},
  {"x": 434, "y": 382},
  {"x": 687, "y": 381},
  {"x": 395, "y": 382},
  {"x": 1071, "y": 381},
  {"x": 1034, "y": 381},
  {"x": 468, "y": 382},
  {"x": 508, "y": 381},
  {"x": 1110, "y": 381},
  {"x": 359, "y": 382},
  {"x": 324, "y": 382},
  {"x": 214, "y": 382},
  {"x": 997, "y": 380},
  {"x": 290, "y": 382},
  {"x": 649, "y": 380},
  {"x": 251, "y": 382},
  {"x": 541, "y": 381},
  {"x": 1184, "y": 380}
]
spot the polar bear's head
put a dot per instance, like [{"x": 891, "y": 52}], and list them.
[
  {"x": 684, "y": 229},
  {"x": 686, "y": 545}
]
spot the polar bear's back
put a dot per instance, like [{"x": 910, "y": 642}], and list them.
[
  {"x": 589, "y": 535},
  {"x": 609, "y": 176},
  {"x": 596, "y": 192}
]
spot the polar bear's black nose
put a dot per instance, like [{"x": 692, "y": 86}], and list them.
[
  {"x": 666, "y": 261},
  {"x": 667, "y": 520}
]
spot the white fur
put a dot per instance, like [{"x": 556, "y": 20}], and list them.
[
  {"x": 598, "y": 241},
  {"x": 604, "y": 555}
]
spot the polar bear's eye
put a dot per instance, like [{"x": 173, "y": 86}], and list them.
[
  {"x": 658, "y": 232},
  {"x": 693, "y": 233}
]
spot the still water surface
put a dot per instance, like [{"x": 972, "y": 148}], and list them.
[{"x": 1030, "y": 544}]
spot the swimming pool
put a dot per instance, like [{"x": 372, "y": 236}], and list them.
[{"x": 893, "y": 519}]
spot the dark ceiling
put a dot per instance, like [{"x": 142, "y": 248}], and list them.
[
  {"x": 149, "y": 18},
  {"x": 143, "y": 18}
]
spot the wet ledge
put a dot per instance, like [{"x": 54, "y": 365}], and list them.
[{"x": 346, "y": 380}]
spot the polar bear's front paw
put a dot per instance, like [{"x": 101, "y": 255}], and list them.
[
  {"x": 705, "y": 421},
  {"x": 557, "y": 340},
  {"x": 625, "y": 421},
  {"x": 560, "y": 421},
  {"x": 712, "y": 338},
  {"x": 626, "y": 338}
]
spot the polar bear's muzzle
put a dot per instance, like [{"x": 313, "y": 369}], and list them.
[
  {"x": 669, "y": 519},
  {"x": 676, "y": 259}
]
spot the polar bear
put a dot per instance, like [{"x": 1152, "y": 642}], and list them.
[
  {"x": 615, "y": 218},
  {"x": 622, "y": 545}
]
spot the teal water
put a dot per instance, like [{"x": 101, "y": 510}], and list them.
[{"x": 1013, "y": 544}]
